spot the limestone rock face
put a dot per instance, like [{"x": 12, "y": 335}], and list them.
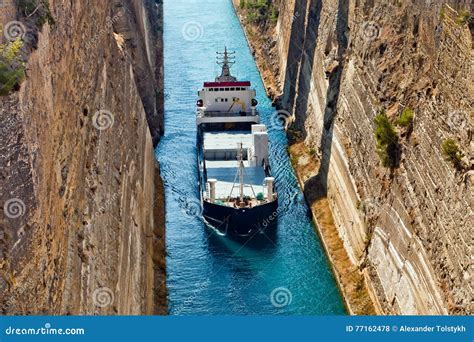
[
  {"x": 82, "y": 219},
  {"x": 335, "y": 64}
]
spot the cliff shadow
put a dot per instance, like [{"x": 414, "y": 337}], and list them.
[
  {"x": 306, "y": 66},
  {"x": 295, "y": 50},
  {"x": 316, "y": 187}
]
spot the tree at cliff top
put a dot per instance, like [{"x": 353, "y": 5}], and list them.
[{"x": 260, "y": 11}]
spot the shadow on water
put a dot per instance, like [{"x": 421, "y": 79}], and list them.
[
  {"x": 264, "y": 241},
  {"x": 211, "y": 274},
  {"x": 316, "y": 187}
]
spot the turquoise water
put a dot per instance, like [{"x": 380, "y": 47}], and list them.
[{"x": 207, "y": 273}]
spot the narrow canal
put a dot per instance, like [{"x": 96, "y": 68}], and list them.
[{"x": 207, "y": 273}]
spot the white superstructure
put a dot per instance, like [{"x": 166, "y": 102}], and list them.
[{"x": 234, "y": 144}]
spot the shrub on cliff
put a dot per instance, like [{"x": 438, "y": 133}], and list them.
[
  {"x": 406, "y": 118},
  {"x": 463, "y": 17},
  {"x": 12, "y": 69},
  {"x": 386, "y": 138},
  {"x": 38, "y": 10},
  {"x": 452, "y": 152},
  {"x": 260, "y": 11}
]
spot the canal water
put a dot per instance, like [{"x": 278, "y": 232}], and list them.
[{"x": 207, "y": 273}]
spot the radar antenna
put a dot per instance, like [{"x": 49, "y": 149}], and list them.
[{"x": 225, "y": 59}]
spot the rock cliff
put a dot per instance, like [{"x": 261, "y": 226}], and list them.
[
  {"x": 333, "y": 66},
  {"x": 82, "y": 219}
]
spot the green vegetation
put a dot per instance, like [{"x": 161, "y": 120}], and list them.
[
  {"x": 406, "y": 118},
  {"x": 274, "y": 15},
  {"x": 386, "y": 138},
  {"x": 12, "y": 68},
  {"x": 38, "y": 9},
  {"x": 452, "y": 152},
  {"x": 442, "y": 13},
  {"x": 312, "y": 151},
  {"x": 260, "y": 11},
  {"x": 294, "y": 159},
  {"x": 463, "y": 17}
]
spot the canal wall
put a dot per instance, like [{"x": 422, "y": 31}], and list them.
[
  {"x": 82, "y": 219},
  {"x": 332, "y": 66}
]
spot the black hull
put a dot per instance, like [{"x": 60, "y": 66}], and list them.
[
  {"x": 234, "y": 222},
  {"x": 241, "y": 222}
]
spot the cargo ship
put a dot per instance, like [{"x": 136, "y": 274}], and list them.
[{"x": 236, "y": 186}]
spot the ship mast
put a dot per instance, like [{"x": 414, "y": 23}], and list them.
[
  {"x": 241, "y": 174},
  {"x": 225, "y": 60}
]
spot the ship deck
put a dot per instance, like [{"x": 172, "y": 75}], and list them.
[
  {"x": 220, "y": 150},
  {"x": 227, "y": 140}
]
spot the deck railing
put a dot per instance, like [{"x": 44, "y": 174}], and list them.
[{"x": 205, "y": 113}]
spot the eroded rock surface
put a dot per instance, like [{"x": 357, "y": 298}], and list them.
[
  {"x": 77, "y": 160},
  {"x": 334, "y": 65}
]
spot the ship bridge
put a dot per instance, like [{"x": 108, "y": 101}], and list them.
[{"x": 226, "y": 100}]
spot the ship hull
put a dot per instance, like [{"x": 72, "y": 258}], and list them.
[{"x": 241, "y": 222}]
